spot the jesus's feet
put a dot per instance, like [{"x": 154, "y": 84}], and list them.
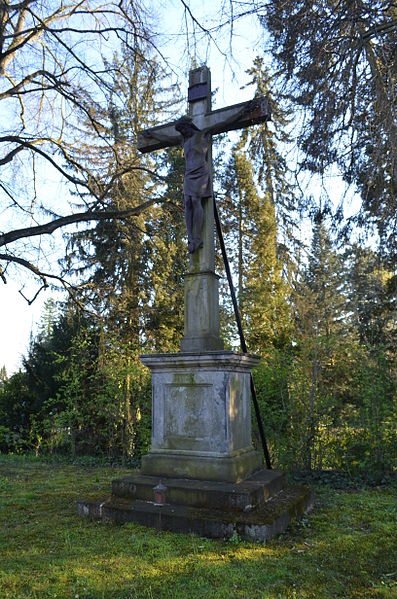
[{"x": 193, "y": 245}]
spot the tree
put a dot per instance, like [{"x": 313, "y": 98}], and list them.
[
  {"x": 267, "y": 147},
  {"x": 164, "y": 301},
  {"x": 3, "y": 375},
  {"x": 81, "y": 391},
  {"x": 321, "y": 328},
  {"x": 372, "y": 298},
  {"x": 125, "y": 265},
  {"x": 335, "y": 64},
  {"x": 338, "y": 64},
  {"x": 325, "y": 280},
  {"x": 252, "y": 240},
  {"x": 54, "y": 84},
  {"x": 259, "y": 201}
]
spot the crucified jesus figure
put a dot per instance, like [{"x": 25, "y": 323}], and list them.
[
  {"x": 197, "y": 143},
  {"x": 197, "y": 181}
]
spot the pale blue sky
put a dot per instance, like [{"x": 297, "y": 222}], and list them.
[{"x": 17, "y": 318}]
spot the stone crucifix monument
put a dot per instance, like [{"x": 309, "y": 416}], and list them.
[
  {"x": 201, "y": 396},
  {"x": 202, "y": 473}
]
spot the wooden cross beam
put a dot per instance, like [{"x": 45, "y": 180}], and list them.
[
  {"x": 206, "y": 123},
  {"x": 230, "y": 118}
]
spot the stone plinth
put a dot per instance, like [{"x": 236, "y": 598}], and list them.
[
  {"x": 244, "y": 496},
  {"x": 201, "y": 417},
  {"x": 255, "y": 509}
]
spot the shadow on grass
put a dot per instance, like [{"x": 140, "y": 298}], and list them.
[{"x": 346, "y": 548}]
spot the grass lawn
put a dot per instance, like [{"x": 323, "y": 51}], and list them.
[{"x": 346, "y": 548}]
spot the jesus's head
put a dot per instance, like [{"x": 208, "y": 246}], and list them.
[{"x": 186, "y": 127}]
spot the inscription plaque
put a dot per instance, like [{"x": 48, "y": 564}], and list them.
[{"x": 191, "y": 416}]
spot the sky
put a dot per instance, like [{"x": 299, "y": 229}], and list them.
[
  {"x": 228, "y": 64},
  {"x": 18, "y": 319}
]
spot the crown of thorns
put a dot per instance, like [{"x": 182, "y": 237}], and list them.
[{"x": 185, "y": 120}]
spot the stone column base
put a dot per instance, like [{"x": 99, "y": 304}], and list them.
[
  {"x": 201, "y": 313},
  {"x": 178, "y": 464}
]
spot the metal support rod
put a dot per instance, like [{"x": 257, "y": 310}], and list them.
[{"x": 241, "y": 333}]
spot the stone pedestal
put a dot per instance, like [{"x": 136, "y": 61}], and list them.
[
  {"x": 201, "y": 418},
  {"x": 256, "y": 509},
  {"x": 211, "y": 479}
]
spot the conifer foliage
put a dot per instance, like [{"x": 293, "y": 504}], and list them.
[
  {"x": 338, "y": 63},
  {"x": 323, "y": 318}
]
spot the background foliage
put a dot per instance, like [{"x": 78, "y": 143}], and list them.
[
  {"x": 327, "y": 386},
  {"x": 320, "y": 307}
]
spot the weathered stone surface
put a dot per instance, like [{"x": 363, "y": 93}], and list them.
[
  {"x": 216, "y": 467},
  {"x": 256, "y": 525},
  {"x": 201, "y": 331},
  {"x": 250, "y": 493},
  {"x": 201, "y": 417}
]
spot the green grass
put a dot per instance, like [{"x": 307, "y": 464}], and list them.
[{"x": 346, "y": 548}]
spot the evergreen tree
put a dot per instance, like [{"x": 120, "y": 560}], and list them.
[
  {"x": 252, "y": 241},
  {"x": 164, "y": 295},
  {"x": 372, "y": 298},
  {"x": 338, "y": 63},
  {"x": 115, "y": 252},
  {"x": 81, "y": 391},
  {"x": 268, "y": 144},
  {"x": 319, "y": 299},
  {"x": 324, "y": 282},
  {"x": 126, "y": 260},
  {"x": 135, "y": 266},
  {"x": 256, "y": 190},
  {"x": 3, "y": 375}
]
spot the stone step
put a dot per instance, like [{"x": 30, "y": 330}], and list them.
[
  {"x": 258, "y": 524},
  {"x": 253, "y": 492}
]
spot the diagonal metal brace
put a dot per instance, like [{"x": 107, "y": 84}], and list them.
[{"x": 241, "y": 333}]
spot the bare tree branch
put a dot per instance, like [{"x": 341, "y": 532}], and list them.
[
  {"x": 44, "y": 276},
  {"x": 33, "y": 145},
  {"x": 57, "y": 95},
  {"x": 56, "y": 82},
  {"x": 79, "y": 217}
]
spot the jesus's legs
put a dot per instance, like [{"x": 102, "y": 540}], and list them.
[
  {"x": 194, "y": 216},
  {"x": 198, "y": 217}
]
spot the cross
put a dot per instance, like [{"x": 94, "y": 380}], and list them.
[{"x": 201, "y": 283}]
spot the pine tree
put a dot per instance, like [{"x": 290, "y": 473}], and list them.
[
  {"x": 259, "y": 198},
  {"x": 325, "y": 282},
  {"x": 120, "y": 254},
  {"x": 134, "y": 265},
  {"x": 3, "y": 374},
  {"x": 252, "y": 240},
  {"x": 163, "y": 313},
  {"x": 372, "y": 298},
  {"x": 268, "y": 144},
  {"x": 319, "y": 299},
  {"x": 338, "y": 64}
]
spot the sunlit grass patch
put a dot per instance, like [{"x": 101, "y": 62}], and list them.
[{"x": 346, "y": 548}]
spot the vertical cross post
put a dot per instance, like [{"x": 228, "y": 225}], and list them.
[
  {"x": 199, "y": 98},
  {"x": 201, "y": 331}
]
